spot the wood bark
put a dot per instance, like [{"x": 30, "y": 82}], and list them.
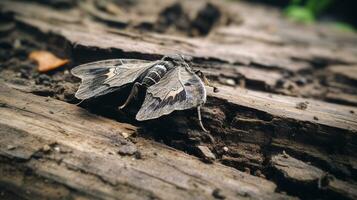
[
  {"x": 285, "y": 111},
  {"x": 56, "y": 150}
]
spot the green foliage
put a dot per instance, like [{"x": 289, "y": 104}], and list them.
[
  {"x": 306, "y": 12},
  {"x": 299, "y": 14},
  {"x": 317, "y": 6}
]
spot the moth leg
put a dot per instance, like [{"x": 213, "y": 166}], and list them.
[
  {"x": 164, "y": 57},
  {"x": 200, "y": 119},
  {"x": 132, "y": 94},
  {"x": 206, "y": 81}
]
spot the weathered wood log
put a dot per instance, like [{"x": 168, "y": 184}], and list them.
[
  {"x": 309, "y": 178},
  {"x": 292, "y": 73},
  {"x": 49, "y": 145}
]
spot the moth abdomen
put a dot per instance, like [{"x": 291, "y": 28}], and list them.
[{"x": 154, "y": 75}]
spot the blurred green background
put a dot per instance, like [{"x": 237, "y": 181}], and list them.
[{"x": 341, "y": 14}]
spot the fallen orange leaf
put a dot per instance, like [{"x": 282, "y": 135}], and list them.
[{"x": 47, "y": 61}]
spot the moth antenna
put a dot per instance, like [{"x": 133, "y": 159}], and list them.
[
  {"x": 181, "y": 56},
  {"x": 200, "y": 119},
  {"x": 133, "y": 92},
  {"x": 77, "y": 104}
]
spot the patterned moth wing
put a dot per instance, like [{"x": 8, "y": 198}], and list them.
[
  {"x": 179, "y": 89},
  {"x": 102, "y": 77}
]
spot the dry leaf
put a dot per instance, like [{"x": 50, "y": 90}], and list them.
[{"x": 47, "y": 61}]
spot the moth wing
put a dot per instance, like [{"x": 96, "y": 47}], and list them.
[
  {"x": 179, "y": 89},
  {"x": 102, "y": 77}
]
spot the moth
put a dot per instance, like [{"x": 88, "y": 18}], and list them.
[{"x": 171, "y": 84}]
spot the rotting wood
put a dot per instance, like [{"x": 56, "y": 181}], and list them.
[
  {"x": 293, "y": 58},
  {"x": 310, "y": 178},
  {"x": 82, "y": 158},
  {"x": 247, "y": 127},
  {"x": 277, "y": 105}
]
